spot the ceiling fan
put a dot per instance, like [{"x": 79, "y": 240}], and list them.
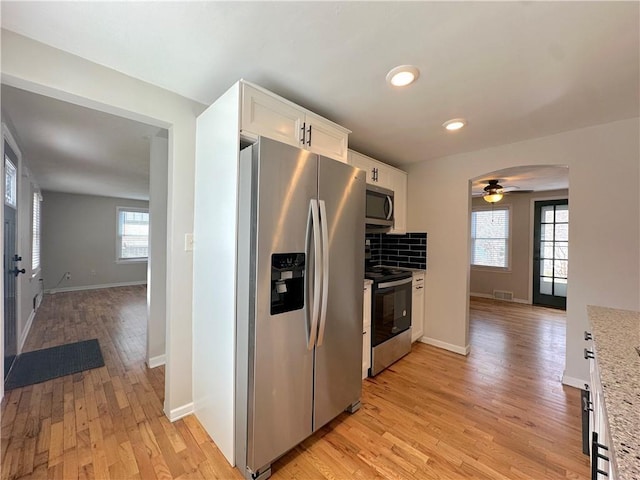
[{"x": 494, "y": 192}]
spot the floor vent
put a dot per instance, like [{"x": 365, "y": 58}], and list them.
[{"x": 503, "y": 295}]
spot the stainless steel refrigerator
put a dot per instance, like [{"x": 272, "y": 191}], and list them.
[{"x": 299, "y": 299}]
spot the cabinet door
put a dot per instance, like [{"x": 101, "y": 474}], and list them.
[
  {"x": 399, "y": 186},
  {"x": 325, "y": 138},
  {"x": 377, "y": 172},
  {"x": 360, "y": 161},
  {"x": 417, "y": 307},
  {"x": 267, "y": 115}
]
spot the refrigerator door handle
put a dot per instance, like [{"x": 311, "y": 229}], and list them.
[
  {"x": 324, "y": 227},
  {"x": 314, "y": 223}
]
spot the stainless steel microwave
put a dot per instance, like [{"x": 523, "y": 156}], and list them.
[{"x": 379, "y": 209}]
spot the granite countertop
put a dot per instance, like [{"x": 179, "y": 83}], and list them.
[{"x": 616, "y": 334}]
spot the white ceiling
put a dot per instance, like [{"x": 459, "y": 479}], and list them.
[
  {"x": 78, "y": 150},
  {"x": 523, "y": 179},
  {"x": 514, "y": 70}
]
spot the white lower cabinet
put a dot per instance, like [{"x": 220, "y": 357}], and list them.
[
  {"x": 598, "y": 425},
  {"x": 366, "y": 329},
  {"x": 417, "y": 306}
]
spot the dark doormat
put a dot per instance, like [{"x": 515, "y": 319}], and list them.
[{"x": 42, "y": 365}]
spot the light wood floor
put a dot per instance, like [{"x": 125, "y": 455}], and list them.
[{"x": 501, "y": 412}]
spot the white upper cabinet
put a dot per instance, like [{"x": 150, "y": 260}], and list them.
[
  {"x": 266, "y": 114},
  {"x": 386, "y": 176},
  {"x": 399, "y": 186}
]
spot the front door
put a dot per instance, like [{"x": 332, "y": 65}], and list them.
[
  {"x": 551, "y": 253},
  {"x": 10, "y": 205}
]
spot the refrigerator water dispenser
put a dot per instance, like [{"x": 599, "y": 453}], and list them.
[{"x": 287, "y": 282}]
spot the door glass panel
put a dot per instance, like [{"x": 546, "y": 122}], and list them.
[
  {"x": 561, "y": 250},
  {"x": 545, "y": 285},
  {"x": 546, "y": 268},
  {"x": 10, "y": 177},
  {"x": 547, "y": 232},
  {"x": 562, "y": 213},
  {"x": 562, "y": 232},
  {"x": 547, "y": 214},
  {"x": 560, "y": 268},
  {"x": 546, "y": 249},
  {"x": 560, "y": 287}
]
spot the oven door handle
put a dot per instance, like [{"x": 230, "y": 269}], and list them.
[{"x": 395, "y": 283}]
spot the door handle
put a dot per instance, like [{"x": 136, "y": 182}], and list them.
[
  {"x": 302, "y": 132},
  {"x": 17, "y": 271},
  {"x": 324, "y": 226},
  {"x": 314, "y": 223}
]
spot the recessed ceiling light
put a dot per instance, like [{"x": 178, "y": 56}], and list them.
[
  {"x": 454, "y": 124},
  {"x": 403, "y": 75}
]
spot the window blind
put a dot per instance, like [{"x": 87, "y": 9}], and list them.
[
  {"x": 490, "y": 237},
  {"x": 35, "y": 232}
]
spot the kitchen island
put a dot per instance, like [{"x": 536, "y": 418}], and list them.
[{"x": 616, "y": 335}]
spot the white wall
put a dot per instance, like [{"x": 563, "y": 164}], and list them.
[
  {"x": 42, "y": 69},
  {"x": 157, "y": 286},
  {"x": 30, "y": 283},
  {"x": 79, "y": 235},
  {"x": 604, "y": 230},
  {"x": 484, "y": 281}
]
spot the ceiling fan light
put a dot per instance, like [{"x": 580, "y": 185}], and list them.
[{"x": 492, "y": 197}]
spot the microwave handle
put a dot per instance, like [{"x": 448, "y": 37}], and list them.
[{"x": 390, "y": 202}]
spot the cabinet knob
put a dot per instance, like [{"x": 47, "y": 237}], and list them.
[
  {"x": 302, "y": 132},
  {"x": 587, "y": 335},
  {"x": 309, "y": 136},
  {"x": 588, "y": 354}
]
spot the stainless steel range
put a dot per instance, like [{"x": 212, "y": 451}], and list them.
[{"x": 390, "y": 316}]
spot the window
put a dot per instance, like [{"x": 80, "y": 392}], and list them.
[
  {"x": 133, "y": 234},
  {"x": 10, "y": 182},
  {"x": 490, "y": 237},
  {"x": 35, "y": 232}
]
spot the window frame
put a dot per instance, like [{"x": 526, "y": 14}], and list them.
[
  {"x": 119, "y": 259},
  {"x": 489, "y": 268},
  {"x": 36, "y": 199}
]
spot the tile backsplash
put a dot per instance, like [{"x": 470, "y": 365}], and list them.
[{"x": 409, "y": 251}]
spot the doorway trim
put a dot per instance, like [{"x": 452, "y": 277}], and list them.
[{"x": 51, "y": 92}]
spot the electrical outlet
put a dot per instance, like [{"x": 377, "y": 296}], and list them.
[{"x": 67, "y": 275}]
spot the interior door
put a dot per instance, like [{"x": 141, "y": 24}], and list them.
[
  {"x": 338, "y": 362},
  {"x": 551, "y": 253},
  {"x": 10, "y": 205}
]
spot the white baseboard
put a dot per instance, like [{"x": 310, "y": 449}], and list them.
[
  {"x": 95, "y": 287},
  {"x": 573, "y": 381},
  {"x": 447, "y": 346},
  {"x": 25, "y": 332},
  {"x": 488, "y": 295},
  {"x": 180, "y": 412},
  {"x": 156, "y": 361}
]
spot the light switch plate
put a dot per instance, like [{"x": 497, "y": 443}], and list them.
[{"x": 188, "y": 242}]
